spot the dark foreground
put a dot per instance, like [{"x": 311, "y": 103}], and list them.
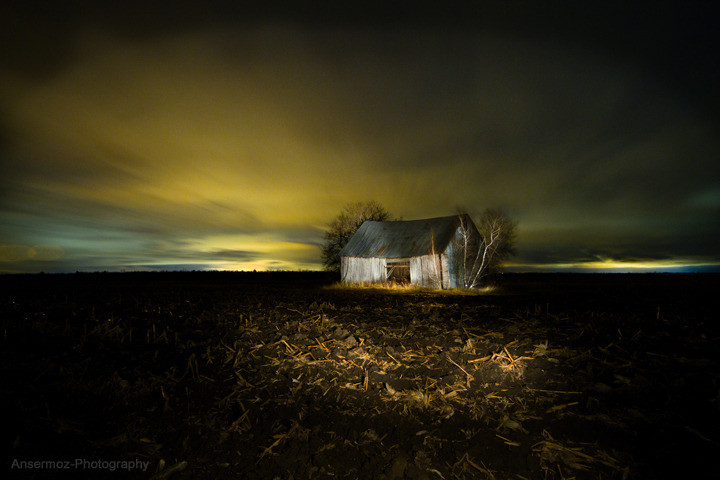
[{"x": 273, "y": 376}]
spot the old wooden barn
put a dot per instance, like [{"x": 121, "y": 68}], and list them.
[{"x": 422, "y": 252}]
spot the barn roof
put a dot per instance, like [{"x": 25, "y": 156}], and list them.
[{"x": 401, "y": 239}]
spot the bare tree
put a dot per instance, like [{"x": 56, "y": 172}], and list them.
[
  {"x": 480, "y": 251},
  {"x": 342, "y": 227}
]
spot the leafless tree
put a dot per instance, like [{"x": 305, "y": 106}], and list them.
[
  {"x": 480, "y": 251},
  {"x": 342, "y": 227}
]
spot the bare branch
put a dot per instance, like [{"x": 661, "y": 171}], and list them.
[{"x": 484, "y": 249}]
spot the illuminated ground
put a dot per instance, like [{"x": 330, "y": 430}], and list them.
[{"x": 275, "y": 376}]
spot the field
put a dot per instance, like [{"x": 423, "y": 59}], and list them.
[{"x": 264, "y": 376}]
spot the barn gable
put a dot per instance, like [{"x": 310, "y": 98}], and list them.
[{"x": 422, "y": 248}]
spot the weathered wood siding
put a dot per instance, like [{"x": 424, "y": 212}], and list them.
[
  {"x": 429, "y": 271},
  {"x": 433, "y": 271},
  {"x": 358, "y": 269},
  {"x": 444, "y": 261}
]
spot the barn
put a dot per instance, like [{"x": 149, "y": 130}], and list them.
[{"x": 422, "y": 252}]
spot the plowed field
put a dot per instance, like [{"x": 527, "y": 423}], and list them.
[{"x": 264, "y": 376}]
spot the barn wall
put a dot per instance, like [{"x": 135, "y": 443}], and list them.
[
  {"x": 358, "y": 269},
  {"x": 451, "y": 267},
  {"x": 433, "y": 271},
  {"x": 444, "y": 261},
  {"x": 429, "y": 271},
  {"x": 455, "y": 254}
]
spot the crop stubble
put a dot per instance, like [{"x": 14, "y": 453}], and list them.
[{"x": 259, "y": 377}]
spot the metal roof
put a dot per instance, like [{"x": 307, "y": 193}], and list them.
[{"x": 401, "y": 239}]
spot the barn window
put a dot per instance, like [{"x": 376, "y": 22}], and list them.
[{"x": 398, "y": 271}]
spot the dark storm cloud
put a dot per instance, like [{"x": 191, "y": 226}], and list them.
[
  {"x": 665, "y": 244},
  {"x": 677, "y": 39},
  {"x": 231, "y": 255}
]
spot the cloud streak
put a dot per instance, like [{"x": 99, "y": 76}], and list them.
[{"x": 233, "y": 144}]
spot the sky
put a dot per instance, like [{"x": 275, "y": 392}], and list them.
[{"x": 219, "y": 135}]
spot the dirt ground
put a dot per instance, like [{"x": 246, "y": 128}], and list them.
[{"x": 265, "y": 376}]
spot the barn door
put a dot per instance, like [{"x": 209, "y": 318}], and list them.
[{"x": 398, "y": 271}]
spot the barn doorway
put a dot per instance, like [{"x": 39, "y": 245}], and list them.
[{"x": 398, "y": 271}]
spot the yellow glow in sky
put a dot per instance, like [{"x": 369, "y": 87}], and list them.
[
  {"x": 233, "y": 147},
  {"x": 609, "y": 265}
]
